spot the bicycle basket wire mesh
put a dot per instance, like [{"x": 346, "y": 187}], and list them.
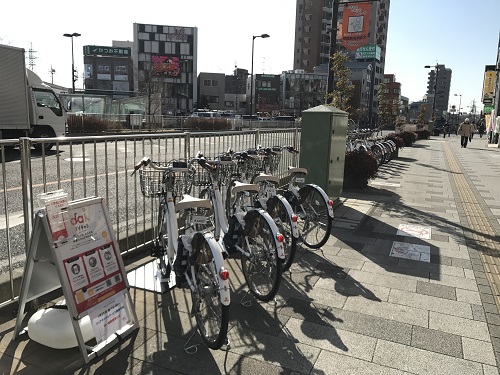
[
  {"x": 201, "y": 177},
  {"x": 180, "y": 182},
  {"x": 151, "y": 181},
  {"x": 272, "y": 162}
]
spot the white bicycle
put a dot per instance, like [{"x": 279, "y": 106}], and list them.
[{"x": 194, "y": 257}]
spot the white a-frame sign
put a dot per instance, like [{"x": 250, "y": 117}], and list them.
[{"x": 73, "y": 247}]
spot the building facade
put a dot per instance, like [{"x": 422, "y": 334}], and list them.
[
  {"x": 438, "y": 90},
  {"x": 212, "y": 90},
  {"x": 165, "y": 61},
  {"x": 300, "y": 90},
  {"x": 313, "y": 29},
  {"x": 108, "y": 70}
]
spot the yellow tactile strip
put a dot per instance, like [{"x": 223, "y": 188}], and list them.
[{"x": 482, "y": 232}]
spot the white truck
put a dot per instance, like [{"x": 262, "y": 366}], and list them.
[{"x": 28, "y": 107}]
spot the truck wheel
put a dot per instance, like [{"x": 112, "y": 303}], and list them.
[{"x": 43, "y": 132}]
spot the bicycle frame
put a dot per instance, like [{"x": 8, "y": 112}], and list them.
[{"x": 222, "y": 225}]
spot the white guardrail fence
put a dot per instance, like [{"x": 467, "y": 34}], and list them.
[{"x": 85, "y": 166}]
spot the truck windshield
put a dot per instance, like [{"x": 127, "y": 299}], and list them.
[{"x": 48, "y": 99}]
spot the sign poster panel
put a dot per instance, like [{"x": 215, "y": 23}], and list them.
[
  {"x": 55, "y": 204},
  {"x": 108, "y": 317},
  {"x": 355, "y": 23},
  {"x": 89, "y": 257}
]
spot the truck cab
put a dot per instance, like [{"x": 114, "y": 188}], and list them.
[{"x": 49, "y": 116}]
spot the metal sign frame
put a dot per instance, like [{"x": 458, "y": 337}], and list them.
[{"x": 45, "y": 271}]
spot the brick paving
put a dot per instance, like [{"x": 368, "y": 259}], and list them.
[{"x": 351, "y": 307}]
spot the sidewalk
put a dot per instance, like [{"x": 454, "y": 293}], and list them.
[{"x": 373, "y": 300}]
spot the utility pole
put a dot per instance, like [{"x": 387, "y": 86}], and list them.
[{"x": 52, "y": 72}]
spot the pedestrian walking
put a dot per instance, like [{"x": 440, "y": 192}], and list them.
[
  {"x": 481, "y": 128},
  {"x": 446, "y": 130},
  {"x": 473, "y": 128},
  {"x": 464, "y": 130}
]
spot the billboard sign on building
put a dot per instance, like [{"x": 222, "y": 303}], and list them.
[
  {"x": 368, "y": 52},
  {"x": 166, "y": 66},
  {"x": 355, "y": 24},
  {"x": 489, "y": 84},
  {"x": 107, "y": 51}
]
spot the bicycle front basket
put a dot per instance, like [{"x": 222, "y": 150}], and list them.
[{"x": 150, "y": 181}]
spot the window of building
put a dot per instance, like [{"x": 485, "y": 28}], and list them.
[
  {"x": 308, "y": 17},
  {"x": 307, "y": 40},
  {"x": 210, "y": 83},
  {"x": 212, "y": 99},
  {"x": 228, "y": 104},
  {"x": 306, "y": 51},
  {"x": 307, "y": 29}
]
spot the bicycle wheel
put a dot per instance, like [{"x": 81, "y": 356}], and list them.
[
  {"x": 262, "y": 268},
  {"x": 313, "y": 220},
  {"x": 161, "y": 244},
  {"x": 279, "y": 213},
  {"x": 212, "y": 317}
]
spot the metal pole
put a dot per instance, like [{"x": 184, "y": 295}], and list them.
[
  {"x": 372, "y": 92},
  {"x": 435, "y": 93},
  {"x": 251, "y": 80},
  {"x": 72, "y": 66},
  {"x": 333, "y": 50}
]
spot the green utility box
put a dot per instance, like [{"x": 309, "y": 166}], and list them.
[{"x": 322, "y": 147}]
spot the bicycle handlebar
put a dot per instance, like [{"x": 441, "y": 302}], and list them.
[{"x": 144, "y": 162}]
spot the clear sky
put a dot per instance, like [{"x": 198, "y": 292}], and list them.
[{"x": 461, "y": 34}]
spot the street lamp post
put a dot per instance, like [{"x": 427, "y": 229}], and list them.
[
  {"x": 251, "y": 76},
  {"x": 435, "y": 91},
  {"x": 459, "y": 105},
  {"x": 73, "y": 79}
]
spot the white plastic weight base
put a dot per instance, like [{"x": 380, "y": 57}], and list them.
[{"x": 53, "y": 328}]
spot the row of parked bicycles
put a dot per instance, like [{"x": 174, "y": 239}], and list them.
[
  {"x": 241, "y": 212},
  {"x": 363, "y": 140}
]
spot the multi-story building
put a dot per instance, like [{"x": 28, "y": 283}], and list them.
[
  {"x": 300, "y": 90},
  {"x": 313, "y": 29},
  {"x": 438, "y": 91},
  {"x": 165, "y": 60},
  {"x": 235, "y": 94},
  {"x": 212, "y": 90},
  {"x": 108, "y": 70},
  {"x": 267, "y": 94}
]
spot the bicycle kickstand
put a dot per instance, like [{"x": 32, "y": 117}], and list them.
[
  {"x": 191, "y": 349},
  {"x": 247, "y": 303}
]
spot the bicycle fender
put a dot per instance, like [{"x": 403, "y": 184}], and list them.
[
  {"x": 289, "y": 210},
  {"x": 323, "y": 194},
  {"x": 225, "y": 288},
  {"x": 255, "y": 212}
]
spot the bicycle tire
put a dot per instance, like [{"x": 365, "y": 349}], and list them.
[
  {"x": 212, "y": 317},
  {"x": 314, "y": 222},
  {"x": 162, "y": 242},
  {"x": 262, "y": 269},
  {"x": 279, "y": 213}
]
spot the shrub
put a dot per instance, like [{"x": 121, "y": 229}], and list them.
[
  {"x": 92, "y": 124},
  {"x": 423, "y": 134},
  {"x": 205, "y": 124},
  {"x": 408, "y": 137},
  {"x": 399, "y": 141},
  {"x": 358, "y": 168}
]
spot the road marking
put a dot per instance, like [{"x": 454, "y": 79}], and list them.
[
  {"x": 414, "y": 231},
  {"x": 15, "y": 218},
  {"x": 74, "y": 159},
  {"x": 411, "y": 251},
  {"x": 482, "y": 232},
  {"x": 66, "y": 180}
]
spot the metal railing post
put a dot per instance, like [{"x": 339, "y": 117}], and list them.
[
  {"x": 187, "y": 145},
  {"x": 27, "y": 189},
  {"x": 257, "y": 137},
  {"x": 295, "y": 145}
]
